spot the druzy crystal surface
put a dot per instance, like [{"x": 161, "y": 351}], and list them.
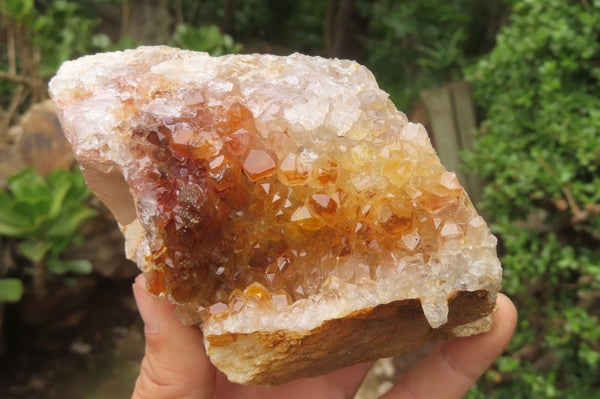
[{"x": 264, "y": 182}]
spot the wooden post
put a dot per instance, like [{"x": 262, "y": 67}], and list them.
[{"x": 451, "y": 112}]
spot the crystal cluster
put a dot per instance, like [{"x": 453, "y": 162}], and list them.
[{"x": 263, "y": 182}]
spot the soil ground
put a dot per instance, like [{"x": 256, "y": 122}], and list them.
[
  {"x": 96, "y": 357},
  {"x": 94, "y": 350}
]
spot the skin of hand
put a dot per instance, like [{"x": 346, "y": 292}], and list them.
[{"x": 175, "y": 365}]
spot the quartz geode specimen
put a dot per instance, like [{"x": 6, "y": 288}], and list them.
[{"x": 282, "y": 203}]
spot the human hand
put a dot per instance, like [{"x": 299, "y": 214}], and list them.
[{"x": 176, "y": 366}]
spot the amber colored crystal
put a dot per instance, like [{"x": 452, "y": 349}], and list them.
[
  {"x": 240, "y": 120},
  {"x": 224, "y": 172},
  {"x": 394, "y": 217},
  {"x": 258, "y": 179},
  {"x": 328, "y": 173},
  {"x": 292, "y": 171},
  {"x": 155, "y": 281},
  {"x": 257, "y": 291},
  {"x": 194, "y": 144},
  {"x": 323, "y": 207},
  {"x": 258, "y": 164}
]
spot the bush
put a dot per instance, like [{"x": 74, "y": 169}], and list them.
[
  {"x": 43, "y": 215},
  {"x": 36, "y": 38},
  {"x": 417, "y": 45},
  {"x": 206, "y": 38},
  {"x": 61, "y": 32},
  {"x": 539, "y": 149},
  {"x": 414, "y": 45}
]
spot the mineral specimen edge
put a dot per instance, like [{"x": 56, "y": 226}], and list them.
[{"x": 281, "y": 202}]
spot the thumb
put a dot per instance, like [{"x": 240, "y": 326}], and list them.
[
  {"x": 451, "y": 369},
  {"x": 175, "y": 364}
]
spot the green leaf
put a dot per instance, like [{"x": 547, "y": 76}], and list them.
[
  {"x": 79, "y": 191},
  {"x": 60, "y": 182},
  {"x": 28, "y": 185},
  {"x": 35, "y": 212},
  {"x": 69, "y": 220},
  {"x": 125, "y": 42},
  {"x": 12, "y": 223},
  {"x": 35, "y": 251},
  {"x": 58, "y": 196},
  {"x": 507, "y": 364},
  {"x": 206, "y": 38},
  {"x": 9, "y": 216},
  {"x": 60, "y": 243},
  {"x": 11, "y": 230},
  {"x": 11, "y": 289},
  {"x": 5, "y": 201},
  {"x": 101, "y": 41},
  {"x": 60, "y": 266},
  {"x": 16, "y": 9}
]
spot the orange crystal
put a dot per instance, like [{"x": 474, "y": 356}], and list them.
[
  {"x": 235, "y": 217},
  {"x": 261, "y": 181},
  {"x": 259, "y": 164}
]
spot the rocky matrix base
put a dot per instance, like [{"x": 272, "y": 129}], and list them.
[{"x": 271, "y": 196}]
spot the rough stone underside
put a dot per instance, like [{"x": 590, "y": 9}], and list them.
[{"x": 281, "y": 190}]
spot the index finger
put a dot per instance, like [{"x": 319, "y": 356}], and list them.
[{"x": 454, "y": 366}]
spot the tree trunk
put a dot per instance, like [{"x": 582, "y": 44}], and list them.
[
  {"x": 150, "y": 21},
  {"x": 329, "y": 23},
  {"x": 342, "y": 28},
  {"x": 125, "y": 17},
  {"x": 343, "y": 18},
  {"x": 179, "y": 19},
  {"x": 227, "y": 21}
]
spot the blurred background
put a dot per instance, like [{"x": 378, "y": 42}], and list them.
[{"x": 509, "y": 90}]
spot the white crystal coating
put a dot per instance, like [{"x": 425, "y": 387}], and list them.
[{"x": 299, "y": 102}]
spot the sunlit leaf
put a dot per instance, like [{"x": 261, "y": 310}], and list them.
[
  {"x": 62, "y": 266},
  {"x": 11, "y": 289}
]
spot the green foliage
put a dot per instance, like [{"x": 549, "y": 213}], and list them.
[
  {"x": 294, "y": 23},
  {"x": 205, "y": 38},
  {"x": 65, "y": 29},
  {"x": 124, "y": 43},
  {"x": 415, "y": 45},
  {"x": 58, "y": 29},
  {"x": 16, "y": 9},
  {"x": 297, "y": 24},
  {"x": 61, "y": 31},
  {"x": 540, "y": 151},
  {"x": 304, "y": 30},
  {"x": 11, "y": 290},
  {"x": 44, "y": 214}
]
